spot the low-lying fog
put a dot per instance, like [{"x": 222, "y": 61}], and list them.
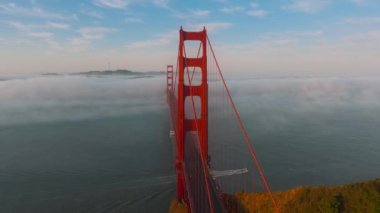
[{"x": 90, "y": 143}]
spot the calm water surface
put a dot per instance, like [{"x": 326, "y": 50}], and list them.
[{"x": 88, "y": 144}]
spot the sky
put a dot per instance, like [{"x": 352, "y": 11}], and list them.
[{"x": 272, "y": 37}]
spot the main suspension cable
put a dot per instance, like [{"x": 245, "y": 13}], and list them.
[
  {"x": 199, "y": 145},
  {"x": 247, "y": 141}
]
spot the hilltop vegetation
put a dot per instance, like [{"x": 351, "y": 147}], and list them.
[
  {"x": 177, "y": 207},
  {"x": 357, "y": 197}
]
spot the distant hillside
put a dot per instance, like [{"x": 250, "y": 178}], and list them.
[
  {"x": 116, "y": 72},
  {"x": 109, "y": 72},
  {"x": 52, "y": 74},
  {"x": 357, "y": 197}
]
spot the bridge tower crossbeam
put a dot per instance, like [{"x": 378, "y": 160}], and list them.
[{"x": 199, "y": 123}]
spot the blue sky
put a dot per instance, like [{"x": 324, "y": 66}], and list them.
[{"x": 300, "y": 37}]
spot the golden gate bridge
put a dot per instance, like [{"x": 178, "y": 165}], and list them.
[{"x": 214, "y": 155}]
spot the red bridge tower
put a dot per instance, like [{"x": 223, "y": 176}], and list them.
[{"x": 199, "y": 123}]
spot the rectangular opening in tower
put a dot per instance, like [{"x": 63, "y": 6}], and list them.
[
  {"x": 190, "y": 113},
  {"x": 192, "y": 49},
  {"x": 195, "y": 76}
]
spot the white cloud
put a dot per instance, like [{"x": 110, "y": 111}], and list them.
[
  {"x": 307, "y": 33},
  {"x": 117, "y": 4},
  {"x": 133, "y": 20},
  {"x": 148, "y": 43},
  {"x": 20, "y": 26},
  {"x": 288, "y": 38},
  {"x": 90, "y": 12},
  {"x": 122, "y": 4},
  {"x": 94, "y": 33},
  {"x": 31, "y": 27},
  {"x": 55, "y": 25},
  {"x": 210, "y": 26},
  {"x": 161, "y": 3},
  {"x": 222, "y": 1},
  {"x": 13, "y": 9},
  {"x": 200, "y": 13},
  {"x": 362, "y": 20},
  {"x": 308, "y": 6},
  {"x": 231, "y": 10},
  {"x": 254, "y": 5},
  {"x": 368, "y": 37},
  {"x": 361, "y": 2},
  {"x": 191, "y": 14},
  {"x": 257, "y": 13},
  {"x": 42, "y": 35},
  {"x": 47, "y": 37},
  {"x": 35, "y": 31},
  {"x": 88, "y": 35},
  {"x": 162, "y": 40},
  {"x": 80, "y": 43}
]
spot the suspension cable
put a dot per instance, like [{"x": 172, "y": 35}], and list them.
[
  {"x": 196, "y": 124},
  {"x": 247, "y": 141}
]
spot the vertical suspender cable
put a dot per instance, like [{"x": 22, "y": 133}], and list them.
[
  {"x": 244, "y": 131},
  {"x": 201, "y": 154}
]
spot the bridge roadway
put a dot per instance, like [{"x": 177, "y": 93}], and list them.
[
  {"x": 195, "y": 180},
  {"x": 193, "y": 171}
]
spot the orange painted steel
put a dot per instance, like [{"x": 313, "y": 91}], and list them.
[
  {"x": 179, "y": 88},
  {"x": 186, "y": 125},
  {"x": 169, "y": 79}
]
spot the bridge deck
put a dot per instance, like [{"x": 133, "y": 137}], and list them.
[{"x": 193, "y": 171}]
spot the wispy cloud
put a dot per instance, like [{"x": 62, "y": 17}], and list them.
[
  {"x": 255, "y": 11},
  {"x": 200, "y": 13},
  {"x": 88, "y": 35},
  {"x": 162, "y": 40},
  {"x": 123, "y": 4},
  {"x": 254, "y": 5},
  {"x": 15, "y": 10},
  {"x": 210, "y": 26},
  {"x": 191, "y": 14},
  {"x": 306, "y": 33},
  {"x": 116, "y": 4},
  {"x": 307, "y": 6},
  {"x": 90, "y": 12},
  {"x": 133, "y": 20},
  {"x": 171, "y": 37},
  {"x": 43, "y": 35},
  {"x": 39, "y": 31},
  {"x": 232, "y": 10},
  {"x": 29, "y": 27},
  {"x": 287, "y": 38},
  {"x": 222, "y": 1},
  {"x": 161, "y": 3},
  {"x": 148, "y": 43},
  {"x": 361, "y": 2},
  {"x": 20, "y": 26},
  {"x": 80, "y": 43},
  {"x": 362, "y": 20},
  {"x": 47, "y": 37},
  {"x": 369, "y": 38},
  {"x": 94, "y": 33},
  {"x": 55, "y": 25}
]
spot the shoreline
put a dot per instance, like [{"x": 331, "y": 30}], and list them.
[{"x": 354, "y": 197}]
